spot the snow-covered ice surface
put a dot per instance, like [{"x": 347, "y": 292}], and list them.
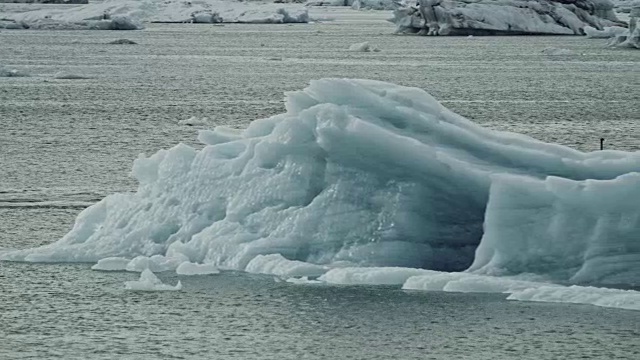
[
  {"x": 377, "y": 175},
  {"x": 496, "y": 17},
  {"x": 149, "y": 282},
  {"x": 132, "y": 14}
]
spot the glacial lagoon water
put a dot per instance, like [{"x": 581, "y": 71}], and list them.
[{"x": 67, "y": 143}]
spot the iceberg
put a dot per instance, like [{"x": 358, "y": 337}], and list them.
[
  {"x": 150, "y": 282},
  {"x": 132, "y": 14},
  {"x": 361, "y": 173},
  {"x": 504, "y": 17}
]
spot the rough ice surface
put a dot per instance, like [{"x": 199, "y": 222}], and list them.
[
  {"x": 368, "y": 173},
  {"x": 155, "y": 263},
  {"x": 606, "y": 33},
  {"x": 131, "y": 14},
  {"x": 630, "y": 38},
  {"x": 189, "y": 268},
  {"x": 371, "y": 275},
  {"x": 150, "y": 282},
  {"x": 276, "y": 264},
  {"x": 504, "y": 17},
  {"x": 111, "y": 264}
]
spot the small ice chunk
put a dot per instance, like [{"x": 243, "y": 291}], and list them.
[
  {"x": 111, "y": 264},
  {"x": 150, "y": 282},
  {"x": 189, "y": 268},
  {"x": 194, "y": 121},
  {"x": 63, "y": 75},
  {"x": 122, "y": 42},
  {"x": 363, "y": 47}
]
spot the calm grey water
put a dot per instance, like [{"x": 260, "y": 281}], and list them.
[{"x": 64, "y": 144}]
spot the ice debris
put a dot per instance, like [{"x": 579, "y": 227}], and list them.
[
  {"x": 149, "y": 282},
  {"x": 363, "y": 47}
]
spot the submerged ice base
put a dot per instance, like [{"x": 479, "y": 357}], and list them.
[{"x": 364, "y": 173}]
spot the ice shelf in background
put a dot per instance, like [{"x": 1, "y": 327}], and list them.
[
  {"x": 504, "y": 17},
  {"x": 132, "y": 14}
]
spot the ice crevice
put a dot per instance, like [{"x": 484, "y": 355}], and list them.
[{"x": 364, "y": 174}]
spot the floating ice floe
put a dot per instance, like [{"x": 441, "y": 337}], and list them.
[
  {"x": 504, "y": 17},
  {"x": 363, "y": 47},
  {"x": 150, "y": 282},
  {"x": 122, "y": 42},
  {"x": 188, "y": 269},
  {"x": 131, "y": 14},
  {"x": 372, "y": 174}
]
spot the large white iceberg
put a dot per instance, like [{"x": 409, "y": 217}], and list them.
[
  {"x": 504, "y": 17},
  {"x": 368, "y": 173},
  {"x": 131, "y": 14}
]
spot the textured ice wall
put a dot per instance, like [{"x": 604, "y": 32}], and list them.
[
  {"x": 366, "y": 173},
  {"x": 504, "y": 17},
  {"x": 587, "y": 231}
]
